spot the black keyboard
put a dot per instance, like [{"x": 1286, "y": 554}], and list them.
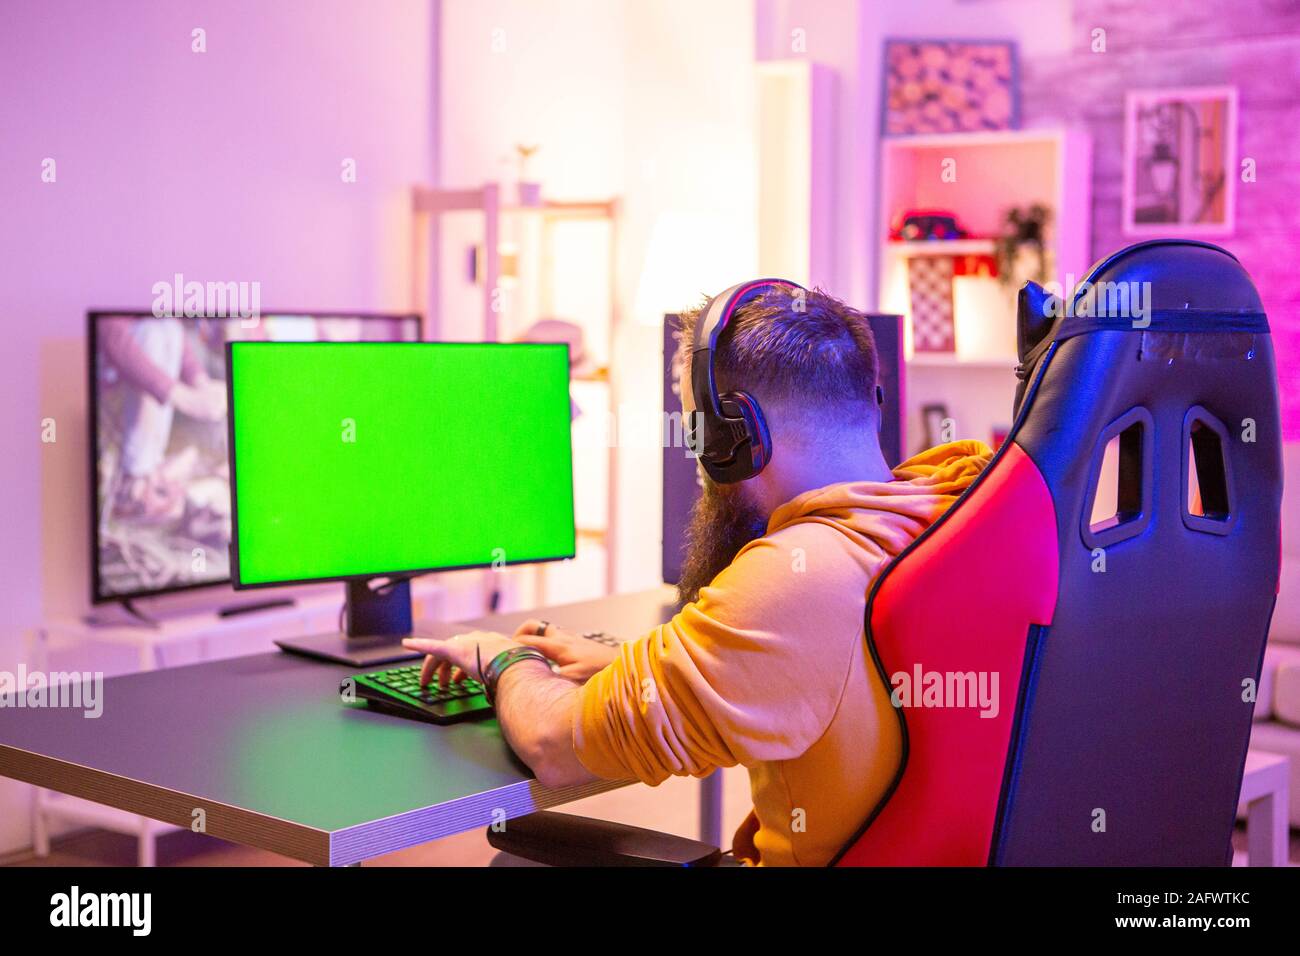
[{"x": 397, "y": 691}]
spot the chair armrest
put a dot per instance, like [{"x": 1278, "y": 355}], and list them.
[{"x": 562, "y": 839}]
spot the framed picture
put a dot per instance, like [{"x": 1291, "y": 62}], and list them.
[
  {"x": 949, "y": 86},
  {"x": 1180, "y": 161},
  {"x": 933, "y": 415}
]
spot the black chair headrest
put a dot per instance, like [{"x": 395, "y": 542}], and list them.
[{"x": 1174, "y": 285}]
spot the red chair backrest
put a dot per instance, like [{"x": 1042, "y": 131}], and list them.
[{"x": 1120, "y": 649}]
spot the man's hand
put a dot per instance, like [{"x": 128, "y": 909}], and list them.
[
  {"x": 578, "y": 657},
  {"x": 534, "y": 706},
  {"x": 457, "y": 657}
]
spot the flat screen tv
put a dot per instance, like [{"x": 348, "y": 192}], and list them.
[{"x": 159, "y": 475}]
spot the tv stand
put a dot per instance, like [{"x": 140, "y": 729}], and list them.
[
  {"x": 252, "y": 607},
  {"x": 142, "y": 619},
  {"x": 377, "y": 618},
  {"x": 139, "y": 618}
]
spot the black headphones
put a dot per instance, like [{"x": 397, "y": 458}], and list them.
[{"x": 728, "y": 433}]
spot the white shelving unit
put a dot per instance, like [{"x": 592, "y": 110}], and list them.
[
  {"x": 951, "y": 247},
  {"x": 978, "y": 177},
  {"x": 796, "y": 149},
  {"x": 526, "y": 235},
  {"x": 924, "y": 360}
]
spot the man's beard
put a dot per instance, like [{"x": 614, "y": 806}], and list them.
[{"x": 722, "y": 522}]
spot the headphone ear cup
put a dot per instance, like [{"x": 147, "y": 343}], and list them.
[{"x": 741, "y": 406}]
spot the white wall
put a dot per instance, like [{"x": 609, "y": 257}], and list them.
[
  {"x": 221, "y": 165},
  {"x": 691, "y": 184},
  {"x": 653, "y": 102}
]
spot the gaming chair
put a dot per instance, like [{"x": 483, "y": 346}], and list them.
[{"x": 1126, "y": 645}]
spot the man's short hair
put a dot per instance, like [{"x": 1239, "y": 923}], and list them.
[{"x": 794, "y": 349}]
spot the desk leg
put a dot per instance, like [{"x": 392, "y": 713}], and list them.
[
  {"x": 711, "y": 809},
  {"x": 40, "y": 825},
  {"x": 146, "y": 851},
  {"x": 146, "y": 838},
  {"x": 40, "y": 655},
  {"x": 1266, "y": 831}
]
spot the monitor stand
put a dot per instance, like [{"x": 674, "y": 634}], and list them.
[{"x": 377, "y": 620}]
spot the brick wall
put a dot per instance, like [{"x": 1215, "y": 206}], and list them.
[{"x": 1251, "y": 44}]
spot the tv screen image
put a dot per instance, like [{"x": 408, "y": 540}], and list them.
[
  {"x": 361, "y": 460},
  {"x": 160, "y": 476}
]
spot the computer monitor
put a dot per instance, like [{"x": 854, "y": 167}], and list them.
[
  {"x": 353, "y": 462},
  {"x": 160, "y": 489}
]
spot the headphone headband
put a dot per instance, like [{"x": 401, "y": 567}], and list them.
[{"x": 727, "y": 432}]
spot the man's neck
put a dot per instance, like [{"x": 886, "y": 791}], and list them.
[{"x": 791, "y": 478}]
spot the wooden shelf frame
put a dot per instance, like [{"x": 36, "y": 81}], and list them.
[{"x": 429, "y": 203}]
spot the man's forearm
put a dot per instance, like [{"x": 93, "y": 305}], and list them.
[{"x": 535, "y": 710}]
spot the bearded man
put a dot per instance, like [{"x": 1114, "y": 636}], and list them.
[{"x": 766, "y": 664}]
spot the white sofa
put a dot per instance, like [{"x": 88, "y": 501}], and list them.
[{"x": 1277, "y": 709}]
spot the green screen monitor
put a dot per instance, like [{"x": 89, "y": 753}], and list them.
[{"x": 355, "y": 461}]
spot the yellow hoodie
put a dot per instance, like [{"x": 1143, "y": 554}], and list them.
[{"x": 769, "y": 668}]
